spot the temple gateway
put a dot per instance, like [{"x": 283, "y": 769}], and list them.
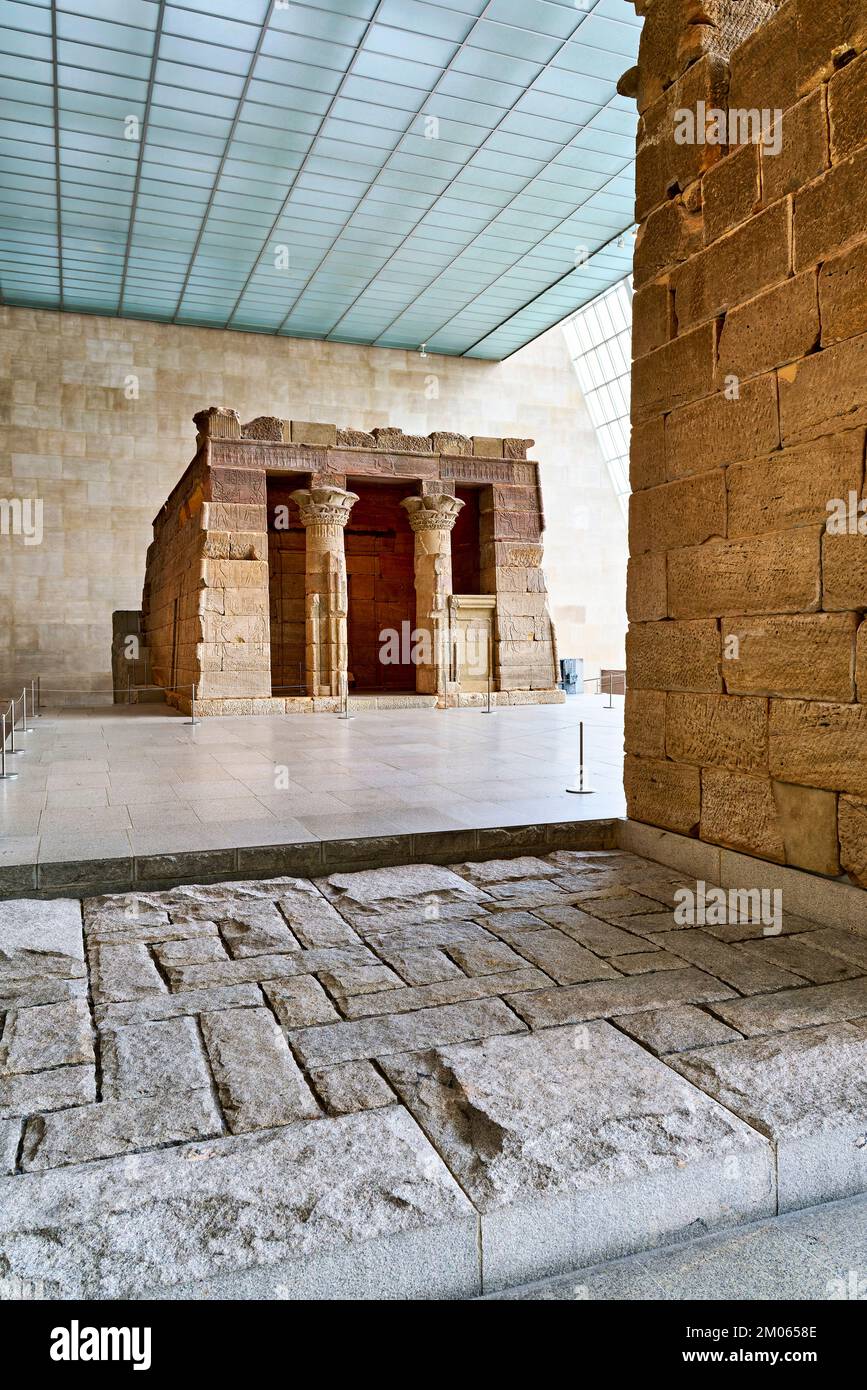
[{"x": 295, "y": 564}]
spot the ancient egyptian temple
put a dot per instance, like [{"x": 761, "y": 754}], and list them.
[{"x": 296, "y": 564}]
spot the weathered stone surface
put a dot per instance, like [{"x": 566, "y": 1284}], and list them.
[
  {"x": 731, "y": 192},
  {"x": 819, "y": 745},
  {"x": 191, "y": 1001},
  {"x": 121, "y": 973},
  {"x": 807, "y": 1092},
  {"x": 352, "y": 1087},
  {"x": 393, "y": 1001},
  {"x": 256, "y": 931},
  {"x": 424, "y": 935},
  {"x": 823, "y": 392},
  {"x": 663, "y": 793},
  {"x": 732, "y": 964},
  {"x": 723, "y": 428},
  {"x": 807, "y": 819},
  {"x": 796, "y": 1008},
  {"x": 843, "y": 295},
  {"x": 563, "y": 959},
  {"x": 718, "y": 730},
  {"x": 375, "y": 893},
  {"x": 422, "y": 966},
  {"x": 601, "y": 937},
  {"x": 90, "y": 1132},
  {"x": 661, "y": 162},
  {"x": 359, "y": 979},
  {"x": 40, "y": 938},
  {"x": 652, "y": 315},
  {"x": 547, "y": 1165},
  {"x": 844, "y": 569},
  {"x": 322, "y": 1209},
  {"x": 739, "y": 810},
  {"x": 852, "y": 821},
  {"x": 672, "y": 375},
  {"x": 673, "y": 656},
  {"x": 793, "y": 487},
  {"x": 51, "y": 1035},
  {"x": 646, "y": 583},
  {"x": 779, "y": 572},
  {"x": 608, "y": 998},
  {"x": 644, "y": 962},
  {"x": 831, "y": 211},
  {"x": 675, "y": 1029},
  {"x": 804, "y": 957},
  {"x": 150, "y": 1059},
  {"x": 258, "y": 1080},
  {"x": 21, "y": 993},
  {"x": 313, "y": 920},
  {"x": 253, "y": 968},
  {"x": 486, "y": 957},
  {"x": 29, "y": 1092},
  {"x": 802, "y": 656},
  {"x": 488, "y": 872},
  {"x": 682, "y": 513},
  {"x": 301, "y": 1002},
  {"x": 803, "y": 152},
  {"x": 843, "y": 944},
  {"x": 736, "y": 268},
  {"x": 647, "y": 453},
  {"x": 644, "y": 723},
  {"x": 778, "y": 326},
  {"x": 197, "y": 950},
  {"x": 10, "y": 1138},
  {"x": 382, "y": 1037}
]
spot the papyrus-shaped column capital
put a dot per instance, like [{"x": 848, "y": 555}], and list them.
[{"x": 434, "y": 513}]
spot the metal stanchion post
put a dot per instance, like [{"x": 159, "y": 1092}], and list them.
[
  {"x": 610, "y": 704},
  {"x": 3, "y": 773},
  {"x": 344, "y": 684},
  {"x": 13, "y": 751},
  {"x": 193, "y": 719},
  {"x": 581, "y": 789},
  {"x": 24, "y": 727},
  {"x": 34, "y": 699},
  {"x": 489, "y": 706}
]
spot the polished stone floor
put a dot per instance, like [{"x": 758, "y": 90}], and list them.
[
  {"x": 417, "y": 1081},
  {"x": 105, "y": 783}
]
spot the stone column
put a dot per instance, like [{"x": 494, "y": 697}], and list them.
[
  {"x": 432, "y": 519},
  {"x": 324, "y": 514}
]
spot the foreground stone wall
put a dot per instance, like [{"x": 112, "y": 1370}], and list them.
[{"x": 747, "y": 651}]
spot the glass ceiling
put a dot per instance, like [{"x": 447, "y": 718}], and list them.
[{"x": 456, "y": 173}]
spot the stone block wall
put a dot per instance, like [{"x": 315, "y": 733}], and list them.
[{"x": 746, "y": 717}]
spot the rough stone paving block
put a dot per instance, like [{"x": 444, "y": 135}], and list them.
[
  {"x": 254, "y": 968},
  {"x": 121, "y": 973},
  {"x": 675, "y": 1029},
  {"x": 301, "y": 1002},
  {"x": 381, "y": 1037},
  {"x": 351, "y": 1087},
  {"x": 91, "y": 1132},
  {"x": 394, "y": 1001},
  {"x": 607, "y": 998},
  {"x": 844, "y": 944},
  {"x": 598, "y": 936},
  {"x": 731, "y": 964},
  {"x": 356, "y": 1206},
  {"x": 487, "y": 957},
  {"x": 26, "y": 1093},
  {"x": 796, "y": 1008},
  {"x": 149, "y": 1059},
  {"x": 313, "y": 920},
  {"x": 259, "y": 931},
  {"x": 549, "y": 1166},
  {"x": 10, "y": 1137},
  {"x": 40, "y": 938},
  {"x": 806, "y": 1091},
  {"x": 258, "y": 1080},
  {"x": 191, "y": 951},
  {"x": 191, "y": 1001},
  {"x": 424, "y": 935},
  {"x": 806, "y": 958},
  {"x": 360, "y": 979},
  {"x": 495, "y": 871},
  {"x": 51, "y": 1035},
  {"x": 420, "y": 966},
  {"x": 563, "y": 959},
  {"x": 372, "y": 893}
]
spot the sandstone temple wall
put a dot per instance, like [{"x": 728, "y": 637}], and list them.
[
  {"x": 746, "y": 714},
  {"x": 248, "y": 612}
]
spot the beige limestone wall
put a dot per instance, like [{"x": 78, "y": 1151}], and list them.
[
  {"x": 746, "y": 719},
  {"x": 95, "y": 419}
]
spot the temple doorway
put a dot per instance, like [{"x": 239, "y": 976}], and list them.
[{"x": 380, "y": 548}]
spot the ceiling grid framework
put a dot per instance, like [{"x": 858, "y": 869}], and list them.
[{"x": 454, "y": 173}]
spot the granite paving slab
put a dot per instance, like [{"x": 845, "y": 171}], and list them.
[
  {"x": 559, "y": 1168},
  {"x": 144, "y": 1029}
]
